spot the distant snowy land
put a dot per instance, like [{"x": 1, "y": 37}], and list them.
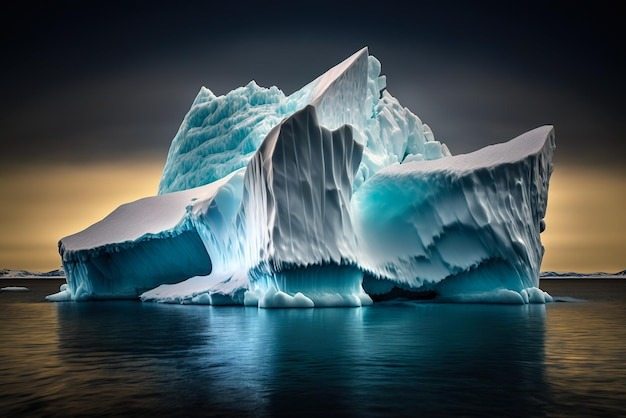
[
  {"x": 60, "y": 274},
  {"x": 24, "y": 274},
  {"x": 574, "y": 275}
]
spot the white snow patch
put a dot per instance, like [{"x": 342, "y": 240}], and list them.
[
  {"x": 14, "y": 289},
  {"x": 215, "y": 289},
  {"x": 513, "y": 151},
  {"x": 278, "y": 299},
  {"x": 148, "y": 216},
  {"x": 63, "y": 295}
]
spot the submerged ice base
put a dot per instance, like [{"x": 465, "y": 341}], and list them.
[
  {"x": 312, "y": 286},
  {"x": 327, "y": 197}
]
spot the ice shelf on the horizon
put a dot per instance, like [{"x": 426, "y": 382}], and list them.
[{"x": 321, "y": 198}]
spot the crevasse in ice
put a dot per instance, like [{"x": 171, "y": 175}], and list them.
[{"x": 332, "y": 196}]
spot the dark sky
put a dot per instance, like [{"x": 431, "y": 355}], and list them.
[{"x": 85, "y": 81}]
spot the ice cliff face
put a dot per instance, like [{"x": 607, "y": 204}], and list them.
[
  {"x": 320, "y": 198},
  {"x": 149, "y": 242},
  {"x": 297, "y": 193},
  {"x": 462, "y": 225},
  {"x": 296, "y": 208}
]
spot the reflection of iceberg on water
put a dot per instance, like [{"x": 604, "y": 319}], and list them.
[{"x": 331, "y": 196}]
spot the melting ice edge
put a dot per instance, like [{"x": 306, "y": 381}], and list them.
[{"x": 331, "y": 196}]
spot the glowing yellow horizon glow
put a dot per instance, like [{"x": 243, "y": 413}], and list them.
[
  {"x": 585, "y": 223},
  {"x": 44, "y": 203},
  {"x": 586, "y": 226}
]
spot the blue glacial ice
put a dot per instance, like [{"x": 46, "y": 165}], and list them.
[
  {"x": 331, "y": 196},
  {"x": 221, "y": 134},
  {"x": 462, "y": 226}
]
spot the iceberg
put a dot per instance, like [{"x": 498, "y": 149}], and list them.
[{"x": 334, "y": 195}]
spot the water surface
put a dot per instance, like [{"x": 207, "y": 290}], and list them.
[{"x": 399, "y": 358}]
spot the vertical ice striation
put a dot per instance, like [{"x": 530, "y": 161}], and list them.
[
  {"x": 296, "y": 207},
  {"x": 339, "y": 95}
]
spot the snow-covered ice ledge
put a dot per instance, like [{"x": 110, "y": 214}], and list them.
[
  {"x": 322, "y": 198},
  {"x": 466, "y": 227}
]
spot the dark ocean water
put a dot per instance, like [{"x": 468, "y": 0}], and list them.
[{"x": 400, "y": 358}]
